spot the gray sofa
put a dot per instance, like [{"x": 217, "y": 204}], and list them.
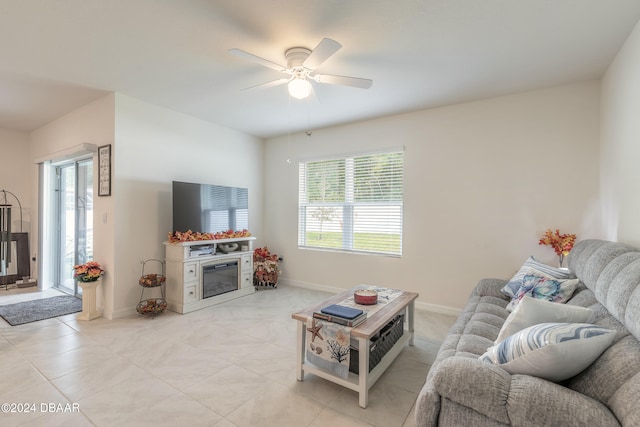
[{"x": 461, "y": 390}]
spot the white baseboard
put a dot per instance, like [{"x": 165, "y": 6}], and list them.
[
  {"x": 122, "y": 313},
  {"x": 440, "y": 309},
  {"x": 425, "y": 306},
  {"x": 308, "y": 285}
]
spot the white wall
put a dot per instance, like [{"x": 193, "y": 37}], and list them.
[
  {"x": 483, "y": 181},
  {"x": 94, "y": 124},
  {"x": 151, "y": 147},
  {"x": 16, "y": 177},
  {"x": 155, "y": 146},
  {"x": 620, "y": 151}
]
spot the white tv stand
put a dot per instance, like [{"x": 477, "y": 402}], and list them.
[{"x": 184, "y": 262}]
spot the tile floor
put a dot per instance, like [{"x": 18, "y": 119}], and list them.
[{"x": 228, "y": 365}]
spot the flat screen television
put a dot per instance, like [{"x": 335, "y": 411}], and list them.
[{"x": 209, "y": 208}]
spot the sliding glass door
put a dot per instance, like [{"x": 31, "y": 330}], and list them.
[{"x": 74, "y": 221}]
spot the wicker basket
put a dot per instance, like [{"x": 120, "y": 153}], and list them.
[{"x": 381, "y": 343}]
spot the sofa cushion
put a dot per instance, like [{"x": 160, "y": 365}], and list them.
[
  {"x": 531, "y": 265},
  {"x": 623, "y": 403},
  {"x": 541, "y": 287},
  {"x": 536, "y": 402},
  {"x": 554, "y": 351},
  {"x": 616, "y": 366},
  {"x": 612, "y": 271},
  {"x": 532, "y": 311}
]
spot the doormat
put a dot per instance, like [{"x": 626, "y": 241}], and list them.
[{"x": 40, "y": 309}]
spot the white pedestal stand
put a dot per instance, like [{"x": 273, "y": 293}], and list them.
[{"x": 89, "y": 309}]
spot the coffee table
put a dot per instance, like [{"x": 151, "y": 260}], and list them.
[{"x": 363, "y": 381}]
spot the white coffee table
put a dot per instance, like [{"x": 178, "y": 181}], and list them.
[{"x": 363, "y": 381}]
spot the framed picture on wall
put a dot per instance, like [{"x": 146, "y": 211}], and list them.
[{"x": 104, "y": 170}]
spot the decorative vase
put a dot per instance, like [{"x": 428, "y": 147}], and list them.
[
  {"x": 561, "y": 260},
  {"x": 89, "y": 309}
]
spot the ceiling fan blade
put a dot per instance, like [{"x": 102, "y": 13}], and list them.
[
  {"x": 269, "y": 84},
  {"x": 256, "y": 59},
  {"x": 343, "y": 80},
  {"x": 321, "y": 53}
]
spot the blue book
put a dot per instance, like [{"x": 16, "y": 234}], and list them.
[{"x": 342, "y": 311}]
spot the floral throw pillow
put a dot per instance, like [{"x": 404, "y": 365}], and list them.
[
  {"x": 531, "y": 265},
  {"x": 546, "y": 288}
]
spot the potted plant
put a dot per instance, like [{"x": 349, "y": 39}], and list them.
[
  {"x": 87, "y": 272},
  {"x": 87, "y": 275},
  {"x": 561, "y": 243}
]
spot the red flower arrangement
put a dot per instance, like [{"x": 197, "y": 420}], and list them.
[
  {"x": 88, "y": 272},
  {"x": 265, "y": 268},
  {"x": 561, "y": 243}
]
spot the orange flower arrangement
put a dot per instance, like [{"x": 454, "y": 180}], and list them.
[
  {"x": 88, "y": 272},
  {"x": 561, "y": 243},
  {"x": 191, "y": 236}
]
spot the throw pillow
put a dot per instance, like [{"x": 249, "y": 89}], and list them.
[
  {"x": 532, "y": 311},
  {"x": 554, "y": 351},
  {"x": 542, "y": 287},
  {"x": 538, "y": 268}
]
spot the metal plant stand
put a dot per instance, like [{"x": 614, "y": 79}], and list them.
[{"x": 152, "y": 306}]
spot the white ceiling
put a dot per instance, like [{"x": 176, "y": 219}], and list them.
[{"x": 57, "y": 55}]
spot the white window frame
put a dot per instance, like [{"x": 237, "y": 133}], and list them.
[{"x": 348, "y": 206}]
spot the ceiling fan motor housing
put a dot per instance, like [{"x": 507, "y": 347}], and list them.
[{"x": 296, "y": 56}]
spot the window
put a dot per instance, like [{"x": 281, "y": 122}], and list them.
[{"x": 352, "y": 204}]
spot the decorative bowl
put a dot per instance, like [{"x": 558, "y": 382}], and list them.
[
  {"x": 227, "y": 247},
  {"x": 365, "y": 297}
]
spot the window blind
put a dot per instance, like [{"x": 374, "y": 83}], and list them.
[{"x": 352, "y": 204}]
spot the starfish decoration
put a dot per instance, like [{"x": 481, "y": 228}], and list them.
[{"x": 315, "y": 331}]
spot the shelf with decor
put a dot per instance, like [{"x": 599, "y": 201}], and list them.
[
  {"x": 190, "y": 263},
  {"x": 149, "y": 281},
  {"x": 206, "y": 248}
]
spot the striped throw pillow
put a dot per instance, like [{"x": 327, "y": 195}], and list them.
[{"x": 554, "y": 351}]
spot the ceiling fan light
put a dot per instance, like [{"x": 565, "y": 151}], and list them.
[{"x": 299, "y": 88}]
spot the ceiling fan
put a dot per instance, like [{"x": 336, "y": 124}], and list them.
[{"x": 301, "y": 66}]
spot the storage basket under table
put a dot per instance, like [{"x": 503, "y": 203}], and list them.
[{"x": 379, "y": 345}]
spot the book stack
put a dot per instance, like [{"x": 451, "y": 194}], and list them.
[{"x": 346, "y": 316}]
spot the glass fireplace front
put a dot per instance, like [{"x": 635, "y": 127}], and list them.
[{"x": 219, "y": 278}]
